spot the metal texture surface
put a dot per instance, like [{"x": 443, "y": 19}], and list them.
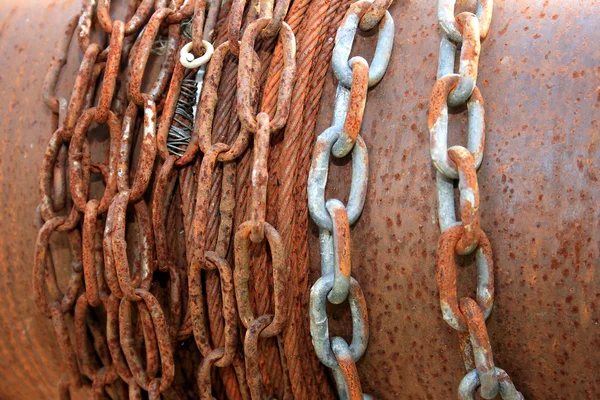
[{"x": 538, "y": 187}]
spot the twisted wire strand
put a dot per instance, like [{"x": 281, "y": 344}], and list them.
[{"x": 180, "y": 131}]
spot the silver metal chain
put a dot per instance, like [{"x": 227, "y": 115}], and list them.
[
  {"x": 464, "y": 236},
  {"x": 336, "y": 285}
]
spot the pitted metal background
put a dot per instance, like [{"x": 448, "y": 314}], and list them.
[{"x": 538, "y": 183}]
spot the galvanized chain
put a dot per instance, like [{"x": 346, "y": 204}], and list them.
[
  {"x": 355, "y": 76},
  {"x": 464, "y": 236}
]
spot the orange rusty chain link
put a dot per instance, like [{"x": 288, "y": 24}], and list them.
[
  {"x": 463, "y": 237},
  {"x": 198, "y": 258},
  {"x": 334, "y": 219},
  {"x": 88, "y": 260}
]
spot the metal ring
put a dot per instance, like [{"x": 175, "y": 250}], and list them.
[
  {"x": 446, "y": 277},
  {"x": 349, "y": 384},
  {"x": 145, "y": 161},
  {"x": 259, "y": 178},
  {"x": 79, "y": 189},
  {"x": 319, "y": 324},
  {"x": 355, "y": 109},
  {"x": 374, "y": 14},
  {"x": 45, "y": 275},
  {"x": 229, "y": 309},
  {"x": 448, "y": 23},
  {"x": 280, "y": 271},
  {"x": 136, "y": 21},
  {"x": 340, "y": 105},
  {"x": 446, "y": 57},
  {"x": 317, "y": 178},
  {"x": 206, "y": 111},
  {"x": 469, "y": 384},
  {"x": 204, "y": 369},
  {"x": 48, "y": 179},
  {"x": 113, "y": 338},
  {"x": 279, "y": 13},
  {"x": 340, "y": 384},
  {"x": 468, "y": 187},
  {"x": 138, "y": 63},
  {"x": 117, "y": 235},
  {"x": 251, "y": 355},
  {"x": 246, "y": 70},
  {"x": 438, "y": 126},
  {"x": 187, "y": 59},
  {"x": 140, "y": 374},
  {"x": 445, "y": 197},
  {"x": 481, "y": 348},
  {"x": 326, "y": 250},
  {"x": 343, "y": 46}
]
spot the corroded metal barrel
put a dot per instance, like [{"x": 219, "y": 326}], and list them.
[{"x": 538, "y": 73}]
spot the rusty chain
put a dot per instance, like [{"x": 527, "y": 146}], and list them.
[
  {"x": 464, "y": 236},
  {"x": 355, "y": 76},
  {"x": 112, "y": 281},
  {"x": 101, "y": 264},
  {"x": 269, "y": 24}
]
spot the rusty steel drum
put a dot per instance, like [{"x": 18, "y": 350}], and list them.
[{"x": 539, "y": 75}]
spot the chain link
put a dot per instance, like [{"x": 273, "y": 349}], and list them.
[
  {"x": 333, "y": 218},
  {"x": 101, "y": 265},
  {"x": 466, "y": 315},
  {"x": 344, "y": 39}
]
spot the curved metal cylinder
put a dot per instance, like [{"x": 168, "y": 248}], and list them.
[{"x": 538, "y": 186}]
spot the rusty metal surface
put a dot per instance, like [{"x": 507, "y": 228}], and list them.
[{"x": 538, "y": 185}]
